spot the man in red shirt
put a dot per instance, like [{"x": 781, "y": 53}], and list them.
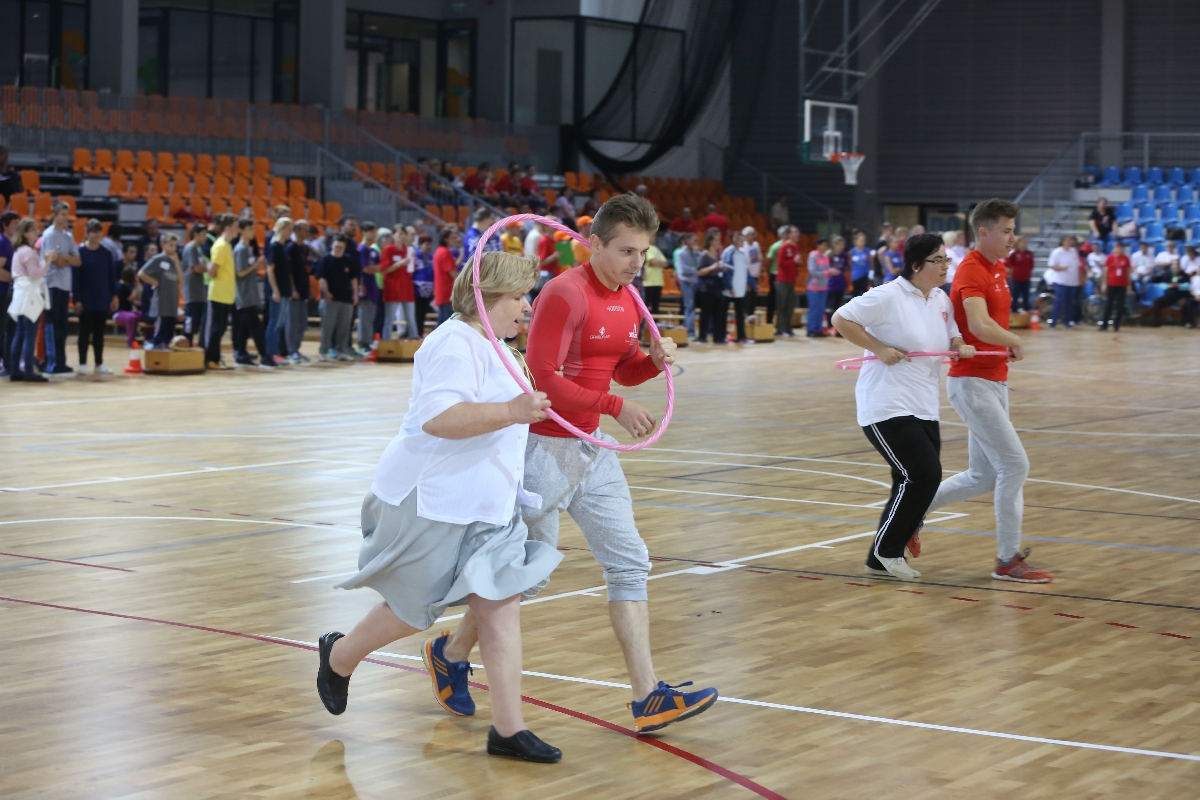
[
  {"x": 445, "y": 270},
  {"x": 716, "y": 220},
  {"x": 684, "y": 223},
  {"x": 583, "y": 335},
  {"x": 978, "y": 389},
  {"x": 786, "y": 267},
  {"x": 1020, "y": 271},
  {"x": 547, "y": 252},
  {"x": 1116, "y": 283}
]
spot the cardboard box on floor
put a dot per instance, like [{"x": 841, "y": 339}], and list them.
[
  {"x": 174, "y": 362},
  {"x": 402, "y": 350}
]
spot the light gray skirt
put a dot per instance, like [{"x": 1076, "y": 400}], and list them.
[{"x": 421, "y": 566}]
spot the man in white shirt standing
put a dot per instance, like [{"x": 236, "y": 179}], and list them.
[
  {"x": 1064, "y": 260},
  {"x": 60, "y": 253},
  {"x": 1142, "y": 262},
  {"x": 531, "y": 242},
  {"x": 753, "y": 253}
]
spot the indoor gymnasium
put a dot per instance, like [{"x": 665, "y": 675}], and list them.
[{"x": 599, "y": 398}]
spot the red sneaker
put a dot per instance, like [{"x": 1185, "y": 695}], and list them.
[
  {"x": 914, "y": 543},
  {"x": 1018, "y": 570}
]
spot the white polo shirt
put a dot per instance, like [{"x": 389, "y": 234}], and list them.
[
  {"x": 1064, "y": 257},
  {"x": 457, "y": 480},
  {"x": 898, "y": 315}
]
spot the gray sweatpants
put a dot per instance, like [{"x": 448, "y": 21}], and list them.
[
  {"x": 336, "y": 319},
  {"x": 587, "y": 482},
  {"x": 997, "y": 459},
  {"x": 403, "y": 313},
  {"x": 366, "y": 322},
  {"x": 296, "y": 320}
]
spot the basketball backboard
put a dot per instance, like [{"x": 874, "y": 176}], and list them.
[{"x": 829, "y": 129}]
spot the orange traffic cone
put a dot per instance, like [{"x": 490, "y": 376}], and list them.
[
  {"x": 1034, "y": 325},
  {"x": 135, "y": 362},
  {"x": 374, "y": 354}
]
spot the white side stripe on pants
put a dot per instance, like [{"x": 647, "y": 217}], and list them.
[{"x": 895, "y": 462}]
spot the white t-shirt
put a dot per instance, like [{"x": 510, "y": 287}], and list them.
[
  {"x": 956, "y": 254},
  {"x": 1142, "y": 263},
  {"x": 898, "y": 315},
  {"x": 458, "y": 480},
  {"x": 1189, "y": 264},
  {"x": 754, "y": 258},
  {"x": 1097, "y": 264},
  {"x": 1063, "y": 257},
  {"x": 1165, "y": 258},
  {"x": 1196, "y": 285},
  {"x": 531, "y": 243}
]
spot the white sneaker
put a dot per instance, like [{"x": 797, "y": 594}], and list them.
[
  {"x": 103, "y": 370},
  {"x": 345, "y": 357},
  {"x": 323, "y": 358},
  {"x": 81, "y": 370},
  {"x": 898, "y": 568}
]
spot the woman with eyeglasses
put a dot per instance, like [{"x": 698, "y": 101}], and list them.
[{"x": 897, "y": 395}]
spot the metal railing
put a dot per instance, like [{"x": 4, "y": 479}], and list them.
[{"x": 1143, "y": 150}]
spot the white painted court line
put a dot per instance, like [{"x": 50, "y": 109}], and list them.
[
  {"x": 749, "y": 497},
  {"x": 755, "y": 466},
  {"x": 202, "y": 470},
  {"x": 326, "y": 577},
  {"x": 288, "y": 386},
  {"x": 334, "y": 527},
  {"x": 929, "y": 726}
]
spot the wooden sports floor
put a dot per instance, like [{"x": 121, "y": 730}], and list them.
[{"x": 170, "y": 547}]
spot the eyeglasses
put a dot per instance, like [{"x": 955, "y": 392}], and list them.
[{"x": 939, "y": 262}]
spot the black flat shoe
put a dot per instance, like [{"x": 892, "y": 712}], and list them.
[
  {"x": 332, "y": 688},
  {"x": 523, "y": 745}
]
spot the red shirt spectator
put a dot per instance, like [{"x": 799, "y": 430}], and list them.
[
  {"x": 786, "y": 263},
  {"x": 505, "y": 185},
  {"x": 716, "y": 220},
  {"x": 475, "y": 183},
  {"x": 529, "y": 185},
  {"x": 1021, "y": 262},
  {"x": 397, "y": 284},
  {"x": 416, "y": 181},
  {"x": 681, "y": 225},
  {"x": 547, "y": 247},
  {"x": 443, "y": 280},
  {"x": 1118, "y": 269},
  {"x": 978, "y": 277}
]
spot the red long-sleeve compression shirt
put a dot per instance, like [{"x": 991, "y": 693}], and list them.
[{"x": 590, "y": 332}]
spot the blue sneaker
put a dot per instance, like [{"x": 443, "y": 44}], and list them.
[
  {"x": 449, "y": 677},
  {"x": 665, "y": 705}
]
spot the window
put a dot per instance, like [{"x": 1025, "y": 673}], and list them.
[
  {"x": 543, "y": 90},
  {"x": 44, "y": 43}
]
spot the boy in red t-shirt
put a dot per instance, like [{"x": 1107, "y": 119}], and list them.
[
  {"x": 445, "y": 270},
  {"x": 978, "y": 390},
  {"x": 547, "y": 252},
  {"x": 785, "y": 282},
  {"x": 1020, "y": 272},
  {"x": 1116, "y": 283}
]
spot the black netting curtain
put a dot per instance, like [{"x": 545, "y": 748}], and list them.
[{"x": 649, "y": 100}]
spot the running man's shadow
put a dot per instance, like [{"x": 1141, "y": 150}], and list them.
[{"x": 327, "y": 772}]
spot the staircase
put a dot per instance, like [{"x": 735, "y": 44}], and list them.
[{"x": 1070, "y": 218}]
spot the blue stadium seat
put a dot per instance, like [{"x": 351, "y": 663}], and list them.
[
  {"x": 1193, "y": 213},
  {"x": 1146, "y": 212},
  {"x": 1170, "y": 215},
  {"x": 1093, "y": 171},
  {"x": 1185, "y": 193},
  {"x": 1154, "y": 176},
  {"x": 1112, "y": 177},
  {"x": 1141, "y": 193},
  {"x": 1194, "y": 176},
  {"x": 1149, "y": 293},
  {"x": 1154, "y": 233},
  {"x": 1133, "y": 176},
  {"x": 1194, "y": 235},
  {"x": 1124, "y": 213},
  {"x": 1162, "y": 195},
  {"x": 1176, "y": 176}
]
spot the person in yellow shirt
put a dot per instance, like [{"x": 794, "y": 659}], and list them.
[
  {"x": 220, "y": 292},
  {"x": 582, "y": 252},
  {"x": 652, "y": 278},
  {"x": 511, "y": 239}
]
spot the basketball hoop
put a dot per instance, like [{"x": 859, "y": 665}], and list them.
[{"x": 850, "y": 163}]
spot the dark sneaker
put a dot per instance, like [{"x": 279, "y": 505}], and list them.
[
  {"x": 332, "y": 688},
  {"x": 665, "y": 705},
  {"x": 450, "y": 687},
  {"x": 523, "y": 745}
]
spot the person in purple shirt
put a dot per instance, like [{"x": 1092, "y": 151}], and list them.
[
  {"x": 370, "y": 297},
  {"x": 8, "y": 226},
  {"x": 839, "y": 262}
]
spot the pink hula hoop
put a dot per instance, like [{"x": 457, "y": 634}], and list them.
[
  {"x": 856, "y": 363},
  {"x": 520, "y": 379}
]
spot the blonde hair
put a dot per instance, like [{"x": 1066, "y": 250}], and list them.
[
  {"x": 18, "y": 237},
  {"x": 282, "y": 223},
  {"x": 500, "y": 274},
  {"x": 950, "y": 238}
]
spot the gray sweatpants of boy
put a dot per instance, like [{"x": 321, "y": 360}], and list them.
[
  {"x": 336, "y": 320},
  {"x": 588, "y": 483},
  {"x": 997, "y": 460}
]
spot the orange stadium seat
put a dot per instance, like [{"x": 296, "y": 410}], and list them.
[
  {"x": 140, "y": 185},
  {"x": 155, "y": 208},
  {"x": 297, "y": 189},
  {"x": 241, "y": 166},
  {"x": 198, "y": 207},
  {"x": 464, "y": 216},
  {"x": 316, "y": 213},
  {"x": 30, "y": 181},
  {"x": 19, "y": 204},
  {"x": 82, "y": 161},
  {"x": 260, "y": 187},
  {"x": 177, "y": 207},
  {"x": 185, "y": 163},
  {"x": 125, "y": 160},
  {"x": 333, "y": 212},
  {"x": 279, "y": 189},
  {"x": 202, "y": 185},
  {"x": 222, "y": 186},
  {"x": 145, "y": 161},
  {"x": 379, "y": 173},
  {"x": 361, "y": 170},
  {"x": 118, "y": 184},
  {"x": 224, "y": 166},
  {"x": 262, "y": 166},
  {"x": 166, "y": 162},
  {"x": 161, "y": 184},
  {"x": 296, "y": 209},
  {"x": 79, "y": 228},
  {"x": 450, "y": 214},
  {"x": 43, "y": 206},
  {"x": 241, "y": 186},
  {"x": 258, "y": 205},
  {"x": 220, "y": 204},
  {"x": 204, "y": 164}
]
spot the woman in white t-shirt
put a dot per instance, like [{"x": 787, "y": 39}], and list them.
[
  {"x": 897, "y": 396},
  {"x": 442, "y": 521}
]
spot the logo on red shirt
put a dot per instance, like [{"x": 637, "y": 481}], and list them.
[{"x": 600, "y": 335}]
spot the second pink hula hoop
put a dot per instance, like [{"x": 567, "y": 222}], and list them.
[
  {"x": 856, "y": 363},
  {"x": 520, "y": 379}
]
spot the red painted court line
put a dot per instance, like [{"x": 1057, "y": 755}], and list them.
[
  {"x": 809, "y": 578},
  {"x": 909, "y": 591},
  {"x": 63, "y": 561},
  {"x": 867, "y": 585},
  {"x": 1120, "y": 625},
  {"x": 758, "y": 571},
  {"x": 1175, "y": 635},
  {"x": 716, "y": 769},
  {"x": 964, "y": 599},
  {"x": 1068, "y": 616},
  {"x": 1019, "y": 608}
]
